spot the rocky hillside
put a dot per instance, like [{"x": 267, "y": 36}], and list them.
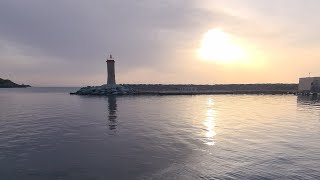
[{"x": 6, "y": 83}]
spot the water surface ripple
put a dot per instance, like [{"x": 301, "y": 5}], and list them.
[{"x": 47, "y": 134}]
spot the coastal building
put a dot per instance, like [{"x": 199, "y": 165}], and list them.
[
  {"x": 111, "y": 71},
  {"x": 309, "y": 84}
]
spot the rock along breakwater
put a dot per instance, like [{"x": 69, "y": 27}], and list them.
[
  {"x": 190, "y": 89},
  {"x": 105, "y": 90}
]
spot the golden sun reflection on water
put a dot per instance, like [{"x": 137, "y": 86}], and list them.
[{"x": 210, "y": 123}]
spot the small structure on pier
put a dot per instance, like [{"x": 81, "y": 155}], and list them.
[
  {"x": 111, "y": 71},
  {"x": 309, "y": 84}
]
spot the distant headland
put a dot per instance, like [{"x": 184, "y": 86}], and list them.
[{"x": 6, "y": 83}]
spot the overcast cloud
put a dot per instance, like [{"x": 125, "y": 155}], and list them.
[{"x": 65, "y": 43}]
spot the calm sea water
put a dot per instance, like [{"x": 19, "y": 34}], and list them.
[{"x": 47, "y": 134}]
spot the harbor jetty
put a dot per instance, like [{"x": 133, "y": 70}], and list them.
[
  {"x": 188, "y": 89},
  {"x": 111, "y": 88}
]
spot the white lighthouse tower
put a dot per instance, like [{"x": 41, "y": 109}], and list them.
[{"x": 111, "y": 71}]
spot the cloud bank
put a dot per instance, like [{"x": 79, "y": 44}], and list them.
[{"x": 65, "y": 43}]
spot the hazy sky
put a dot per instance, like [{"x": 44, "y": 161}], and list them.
[{"x": 66, "y": 42}]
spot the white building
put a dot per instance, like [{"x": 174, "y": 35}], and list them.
[{"x": 309, "y": 84}]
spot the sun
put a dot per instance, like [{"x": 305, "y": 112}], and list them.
[{"x": 219, "y": 47}]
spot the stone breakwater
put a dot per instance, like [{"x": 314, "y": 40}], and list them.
[
  {"x": 160, "y": 89},
  {"x": 105, "y": 90}
]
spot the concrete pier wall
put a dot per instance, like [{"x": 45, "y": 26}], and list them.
[{"x": 213, "y": 88}]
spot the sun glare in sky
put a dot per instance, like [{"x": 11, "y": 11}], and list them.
[{"x": 219, "y": 47}]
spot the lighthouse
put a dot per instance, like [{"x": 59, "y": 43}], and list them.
[{"x": 111, "y": 71}]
